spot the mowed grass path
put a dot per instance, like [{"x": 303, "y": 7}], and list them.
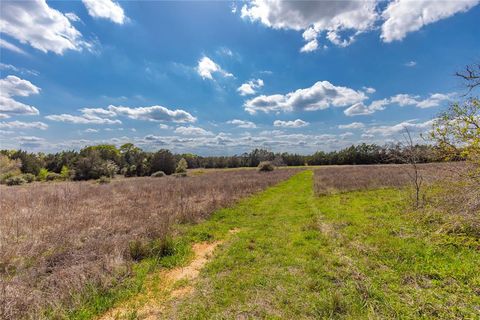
[{"x": 294, "y": 255}]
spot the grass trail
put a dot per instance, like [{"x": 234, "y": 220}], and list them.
[{"x": 294, "y": 255}]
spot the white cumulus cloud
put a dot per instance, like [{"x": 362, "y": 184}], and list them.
[
  {"x": 106, "y": 9},
  {"x": 13, "y": 86},
  {"x": 37, "y": 24},
  {"x": 23, "y": 125},
  {"x": 404, "y": 16},
  {"x": 242, "y": 123},
  {"x": 207, "y": 67},
  {"x": 290, "y": 124},
  {"x": 321, "y": 95},
  {"x": 353, "y": 125},
  {"x": 192, "y": 131},
  {"x": 250, "y": 87}
]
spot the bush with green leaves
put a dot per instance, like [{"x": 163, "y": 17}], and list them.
[
  {"x": 15, "y": 181},
  {"x": 52, "y": 176},
  {"x": 265, "y": 166},
  {"x": 65, "y": 173},
  {"x": 158, "y": 174},
  {"x": 103, "y": 180},
  {"x": 28, "y": 177},
  {"x": 42, "y": 175},
  {"x": 181, "y": 166}
]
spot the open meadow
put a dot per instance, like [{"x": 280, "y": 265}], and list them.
[
  {"x": 57, "y": 239},
  {"x": 342, "y": 242}
]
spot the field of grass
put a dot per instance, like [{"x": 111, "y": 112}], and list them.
[
  {"x": 59, "y": 241},
  {"x": 310, "y": 247}
]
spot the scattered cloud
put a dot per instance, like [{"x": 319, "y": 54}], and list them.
[
  {"x": 242, "y": 124},
  {"x": 104, "y": 116},
  {"x": 72, "y": 17},
  {"x": 410, "y": 64},
  {"x": 13, "y": 86},
  {"x": 81, "y": 119},
  {"x": 91, "y": 130},
  {"x": 433, "y": 100},
  {"x": 164, "y": 126},
  {"x": 9, "y": 67},
  {"x": 207, "y": 67},
  {"x": 310, "y": 46},
  {"x": 290, "y": 124},
  {"x": 411, "y": 125},
  {"x": 353, "y": 125},
  {"x": 106, "y": 9},
  {"x": 192, "y": 131},
  {"x": 154, "y": 113},
  {"x": 23, "y": 125},
  {"x": 404, "y": 16},
  {"x": 321, "y": 95},
  {"x": 39, "y": 25},
  {"x": 369, "y": 90},
  {"x": 250, "y": 87},
  {"x": 7, "y": 45}
]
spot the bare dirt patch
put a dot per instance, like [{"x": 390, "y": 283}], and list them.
[{"x": 152, "y": 303}]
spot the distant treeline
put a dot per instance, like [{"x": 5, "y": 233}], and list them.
[{"x": 129, "y": 160}]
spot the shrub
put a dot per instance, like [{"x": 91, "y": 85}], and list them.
[
  {"x": 158, "y": 174},
  {"x": 65, "y": 173},
  {"x": 42, "y": 174},
  {"x": 52, "y": 176},
  {"x": 4, "y": 177},
  {"x": 180, "y": 174},
  {"x": 103, "y": 180},
  {"x": 28, "y": 177},
  {"x": 265, "y": 166},
  {"x": 181, "y": 166},
  {"x": 15, "y": 181}
]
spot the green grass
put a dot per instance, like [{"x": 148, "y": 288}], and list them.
[
  {"x": 294, "y": 255},
  {"x": 348, "y": 256}
]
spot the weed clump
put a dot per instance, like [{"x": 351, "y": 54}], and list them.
[
  {"x": 265, "y": 166},
  {"x": 103, "y": 180},
  {"x": 15, "y": 181},
  {"x": 28, "y": 177}
]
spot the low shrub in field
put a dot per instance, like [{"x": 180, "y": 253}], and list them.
[
  {"x": 42, "y": 175},
  {"x": 28, "y": 177},
  {"x": 180, "y": 174},
  {"x": 157, "y": 248},
  {"x": 103, "y": 180},
  {"x": 158, "y": 174},
  {"x": 15, "y": 181},
  {"x": 265, "y": 166},
  {"x": 4, "y": 177},
  {"x": 52, "y": 176}
]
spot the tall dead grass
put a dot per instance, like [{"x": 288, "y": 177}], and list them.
[
  {"x": 56, "y": 238},
  {"x": 361, "y": 177}
]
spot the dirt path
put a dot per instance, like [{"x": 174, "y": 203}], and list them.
[{"x": 164, "y": 286}]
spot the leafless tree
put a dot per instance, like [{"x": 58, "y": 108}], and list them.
[
  {"x": 411, "y": 155},
  {"x": 471, "y": 75}
]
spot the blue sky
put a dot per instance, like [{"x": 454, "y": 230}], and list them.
[{"x": 226, "y": 77}]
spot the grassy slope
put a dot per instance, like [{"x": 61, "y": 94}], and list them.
[{"x": 352, "y": 255}]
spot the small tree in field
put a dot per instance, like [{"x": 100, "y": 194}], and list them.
[
  {"x": 457, "y": 134},
  {"x": 181, "y": 166}
]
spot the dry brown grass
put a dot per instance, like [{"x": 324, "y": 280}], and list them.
[
  {"x": 55, "y": 238},
  {"x": 361, "y": 177}
]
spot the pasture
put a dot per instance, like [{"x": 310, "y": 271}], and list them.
[{"x": 312, "y": 242}]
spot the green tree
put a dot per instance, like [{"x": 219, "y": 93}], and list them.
[
  {"x": 181, "y": 166},
  {"x": 162, "y": 160}
]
